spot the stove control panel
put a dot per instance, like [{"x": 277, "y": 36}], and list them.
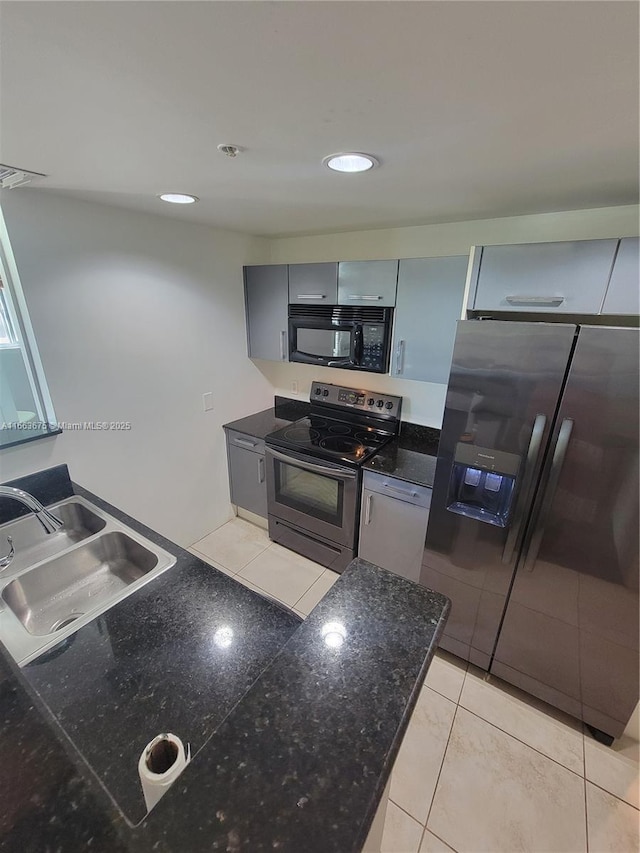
[{"x": 372, "y": 402}]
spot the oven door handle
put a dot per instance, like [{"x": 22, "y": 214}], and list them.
[{"x": 338, "y": 473}]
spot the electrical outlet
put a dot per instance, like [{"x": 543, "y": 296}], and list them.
[
  {"x": 207, "y": 401},
  {"x": 294, "y": 386}
]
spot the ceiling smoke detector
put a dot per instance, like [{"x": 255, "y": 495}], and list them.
[
  {"x": 12, "y": 177},
  {"x": 230, "y": 150}
]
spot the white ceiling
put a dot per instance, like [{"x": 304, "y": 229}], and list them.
[{"x": 475, "y": 109}]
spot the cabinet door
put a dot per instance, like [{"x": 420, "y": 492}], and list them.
[
  {"x": 429, "y": 303},
  {"x": 313, "y": 284},
  {"x": 623, "y": 295},
  {"x": 367, "y": 282},
  {"x": 392, "y": 534},
  {"x": 247, "y": 479},
  {"x": 561, "y": 278},
  {"x": 266, "y": 299}
]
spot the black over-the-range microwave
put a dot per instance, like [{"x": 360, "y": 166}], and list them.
[{"x": 351, "y": 337}]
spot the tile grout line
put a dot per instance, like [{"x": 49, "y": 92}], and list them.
[
  {"x": 523, "y": 742},
  {"x": 206, "y": 559},
  {"x": 586, "y": 805},
  {"x": 614, "y": 796},
  {"x": 254, "y": 558},
  {"x": 402, "y": 809},
  {"x": 444, "y": 758},
  {"x": 310, "y": 588},
  {"x": 266, "y": 592}
]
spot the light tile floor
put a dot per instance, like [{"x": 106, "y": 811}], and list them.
[{"x": 483, "y": 766}]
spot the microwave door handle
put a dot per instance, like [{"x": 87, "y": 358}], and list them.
[
  {"x": 355, "y": 355},
  {"x": 358, "y": 344}
]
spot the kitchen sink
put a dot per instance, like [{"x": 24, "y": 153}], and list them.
[
  {"x": 63, "y": 589},
  {"x": 58, "y": 582},
  {"x": 32, "y": 544}
]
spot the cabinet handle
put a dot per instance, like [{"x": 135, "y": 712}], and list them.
[
  {"x": 245, "y": 442},
  {"x": 400, "y": 358},
  {"x": 311, "y": 296},
  {"x": 405, "y": 492},
  {"x": 260, "y": 470},
  {"x": 367, "y": 509},
  {"x": 535, "y": 300},
  {"x": 283, "y": 345},
  {"x": 363, "y": 296}
]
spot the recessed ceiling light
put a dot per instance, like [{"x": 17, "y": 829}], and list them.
[
  {"x": 179, "y": 198},
  {"x": 350, "y": 161}
]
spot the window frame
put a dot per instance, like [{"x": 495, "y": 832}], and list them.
[{"x": 21, "y": 329}]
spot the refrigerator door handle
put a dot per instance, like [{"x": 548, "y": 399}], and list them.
[
  {"x": 533, "y": 451},
  {"x": 562, "y": 443}
]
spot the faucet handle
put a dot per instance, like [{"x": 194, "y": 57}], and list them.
[{"x": 4, "y": 561}]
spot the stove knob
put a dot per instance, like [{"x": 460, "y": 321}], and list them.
[
  {"x": 388, "y": 405},
  {"x": 318, "y": 390},
  {"x": 380, "y": 404},
  {"x": 370, "y": 401},
  {"x": 325, "y": 393}
]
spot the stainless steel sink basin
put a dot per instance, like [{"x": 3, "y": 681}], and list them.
[
  {"x": 58, "y": 582},
  {"x": 32, "y": 544},
  {"x": 63, "y": 589}
]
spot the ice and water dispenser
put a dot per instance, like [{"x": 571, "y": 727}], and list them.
[{"x": 483, "y": 483}]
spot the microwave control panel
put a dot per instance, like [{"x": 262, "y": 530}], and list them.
[
  {"x": 357, "y": 399},
  {"x": 373, "y": 346}
]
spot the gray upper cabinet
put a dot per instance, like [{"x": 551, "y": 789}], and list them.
[
  {"x": 367, "y": 282},
  {"x": 561, "y": 278},
  {"x": 313, "y": 284},
  {"x": 623, "y": 295},
  {"x": 266, "y": 291},
  {"x": 429, "y": 303}
]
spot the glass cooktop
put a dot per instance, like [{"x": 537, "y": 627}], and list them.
[{"x": 332, "y": 439}]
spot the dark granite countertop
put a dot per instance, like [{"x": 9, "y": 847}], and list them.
[
  {"x": 283, "y": 412},
  {"x": 298, "y": 763},
  {"x": 411, "y": 456}
]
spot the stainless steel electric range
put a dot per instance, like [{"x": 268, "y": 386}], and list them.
[{"x": 313, "y": 470}]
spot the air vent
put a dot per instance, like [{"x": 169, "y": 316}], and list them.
[
  {"x": 337, "y": 313},
  {"x": 12, "y": 177}
]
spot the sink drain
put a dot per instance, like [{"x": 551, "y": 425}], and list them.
[{"x": 66, "y": 620}]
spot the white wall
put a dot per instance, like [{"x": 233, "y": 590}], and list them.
[
  {"x": 424, "y": 401},
  {"x": 135, "y": 317}
]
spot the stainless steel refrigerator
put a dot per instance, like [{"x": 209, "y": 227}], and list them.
[{"x": 533, "y": 529}]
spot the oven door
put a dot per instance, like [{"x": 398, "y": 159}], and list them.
[
  {"x": 319, "y": 497},
  {"x": 319, "y": 341}
]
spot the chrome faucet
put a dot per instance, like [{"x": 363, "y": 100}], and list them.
[{"x": 48, "y": 521}]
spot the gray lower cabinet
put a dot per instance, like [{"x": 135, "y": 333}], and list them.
[
  {"x": 563, "y": 278},
  {"x": 266, "y": 292},
  {"x": 367, "y": 283},
  {"x": 623, "y": 294},
  {"x": 428, "y": 306},
  {"x": 247, "y": 484},
  {"x": 393, "y": 524},
  {"x": 313, "y": 284}
]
